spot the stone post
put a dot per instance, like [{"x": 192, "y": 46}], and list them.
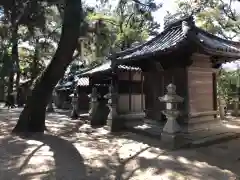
[
  {"x": 74, "y": 113},
  {"x": 50, "y": 105},
  {"x": 112, "y": 104},
  {"x": 93, "y": 104},
  {"x": 236, "y": 106},
  {"x": 171, "y": 129},
  {"x": 222, "y": 106}
]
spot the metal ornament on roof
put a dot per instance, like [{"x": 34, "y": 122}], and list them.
[{"x": 172, "y": 18}]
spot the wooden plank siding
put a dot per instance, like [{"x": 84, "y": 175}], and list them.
[
  {"x": 155, "y": 86},
  {"x": 130, "y": 91},
  {"x": 201, "y": 89}
]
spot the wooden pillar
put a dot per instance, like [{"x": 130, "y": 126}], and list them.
[
  {"x": 130, "y": 90},
  {"x": 142, "y": 92},
  {"x": 214, "y": 81}
]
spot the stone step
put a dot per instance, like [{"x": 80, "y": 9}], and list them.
[
  {"x": 213, "y": 139},
  {"x": 145, "y": 127},
  {"x": 146, "y": 132},
  {"x": 193, "y": 140}
]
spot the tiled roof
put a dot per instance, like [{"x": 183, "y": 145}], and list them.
[
  {"x": 84, "y": 81},
  {"x": 64, "y": 84},
  {"x": 163, "y": 42},
  {"x": 173, "y": 36},
  {"x": 107, "y": 66},
  {"x": 176, "y": 35},
  {"x": 216, "y": 44},
  {"x": 103, "y": 67}
]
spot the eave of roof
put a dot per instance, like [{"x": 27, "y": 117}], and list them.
[
  {"x": 107, "y": 66},
  {"x": 217, "y": 46}
]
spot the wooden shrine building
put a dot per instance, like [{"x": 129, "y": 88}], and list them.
[{"x": 182, "y": 54}]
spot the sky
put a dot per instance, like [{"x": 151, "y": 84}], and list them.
[{"x": 168, "y": 5}]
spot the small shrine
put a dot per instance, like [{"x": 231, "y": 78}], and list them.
[{"x": 183, "y": 58}]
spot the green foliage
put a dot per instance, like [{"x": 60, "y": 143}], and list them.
[
  {"x": 107, "y": 29},
  {"x": 216, "y": 16},
  {"x": 227, "y": 81},
  {"x": 112, "y": 29},
  {"x": 38, "y": 27}
]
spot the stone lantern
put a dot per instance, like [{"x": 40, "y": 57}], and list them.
[
  {"x": 222, "y": 106},
  {"x": 171, "y": 112},
  {"x": 74, "y": 113},
  {"x": 50, "y": 105},
  {"x": 112, "y": 104},
  {"x": 94, "y": 101}
]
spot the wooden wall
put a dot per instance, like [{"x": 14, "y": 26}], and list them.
[
  {"x": 201, "y": 89},
  {"x": 130, "y": 89},
  {"x": 155, "y": 86}
]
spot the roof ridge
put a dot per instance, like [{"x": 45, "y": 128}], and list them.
[
  {"x": 170, "y": 23},
  {"x": 130, "y": 50}
]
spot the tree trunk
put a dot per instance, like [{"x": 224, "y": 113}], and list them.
[
  {"x": 14, "y": 58},
  {"x": 32, "y": 118},
  {"x": 34, "y": 65},
  {"x": 1, "y": 89},
  {"x": 17, "y": 77},
  {"x": 10, "y": 82}
]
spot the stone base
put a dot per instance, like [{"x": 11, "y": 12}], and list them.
[
  {"x": 201, "y": 124},
  {"x": 172, "y": 141},
  {"x": 74, "y": 114},
  {"x": 48, "y": 109},
  {"x": 154, "y": 115},
  {"x": 116, "y": 124}
]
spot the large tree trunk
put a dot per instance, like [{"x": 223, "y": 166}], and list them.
[
  {"x": 14, "y": 58},
  {"x": 10, "y": 83},
  {"x": 14, "y": 53},
  {"x": 32, "y": 118}
]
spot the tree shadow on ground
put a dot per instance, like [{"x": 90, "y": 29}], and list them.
[
  {"x": 66, "y": 163},
  {"x": 16, "y": 154},
  {"x": 83, "y": 114},
  {"x": 200, "y": 163},
  {"x": 66, "y": 112},
  {"x": 69, "y": 164},
  {"x": 11, "y": 151}
]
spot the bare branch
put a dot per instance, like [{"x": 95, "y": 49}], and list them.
[{"x": 22, "y": 12}]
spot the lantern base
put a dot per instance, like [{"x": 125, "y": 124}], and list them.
[
  {"x": 171, "y": 126},
  {"x": 172, "y": 141}
]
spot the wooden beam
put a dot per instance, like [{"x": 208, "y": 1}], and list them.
[
  {"x": 202, "y": 70},
  {"x": 204, "y": 113},
  {"x": 214, "y": 91}
]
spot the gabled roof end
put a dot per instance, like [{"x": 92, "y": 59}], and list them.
[{"x": 177, "y": 19}]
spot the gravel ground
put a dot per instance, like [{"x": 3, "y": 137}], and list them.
[{"x": 72, "y": 150}]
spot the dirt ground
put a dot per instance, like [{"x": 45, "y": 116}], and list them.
[{"x": 73, "y": 151}]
